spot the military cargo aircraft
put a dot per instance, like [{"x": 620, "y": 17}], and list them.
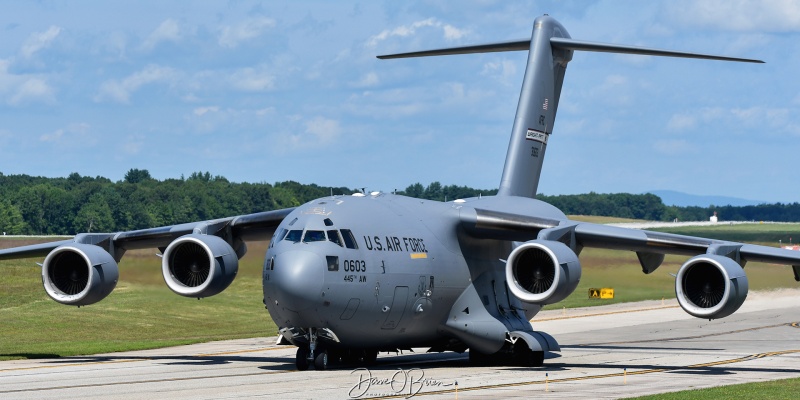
[{"x": 345, "y": 277}]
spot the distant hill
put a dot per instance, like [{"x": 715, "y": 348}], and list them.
[{"x": 679, "y": 199}]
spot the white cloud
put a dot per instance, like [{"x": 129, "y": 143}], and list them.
[
  {"x": 453, "y": 33},
  {"x": 739, "y": 15},
  {"x": 319, "y": 131},
  {"x": 25, "y": 88},
  {"x": 674, "y": 147},
  {"x": 33, "y": 90},
  {"x": 502, "y": 70},
  {"x": 39, "y": 40},
  {"x": 680, "y": 122},
  {"x": 73, "y": 131},
  {"x": 252, "y": 79},
  {"x": 168, "y": 31},
  {"x": 200, "y": 111},
  {"x": 121, "y": 90},
  {"x": 368, "y": 80},
  {"x": 778, "y": 120},
  {"x": 231, "y": 36},
  {"x": 265, "y": 111},
  {"x": 449, "y": 32},
  {"x": 133, "y": 145},
  {"x": 323, "y": 130}
]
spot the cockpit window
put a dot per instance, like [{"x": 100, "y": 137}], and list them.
[
  {"x": 349, "y": 239},
  {"x": 333, "y": 236},
  {"x": 277, "y": 237},
  {"x": 294, "y": 235},
  {"x": 314, "y": 236}
]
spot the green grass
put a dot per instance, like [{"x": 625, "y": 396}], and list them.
[
  {"x": 141, "y": 313},
  {"x": 769, "y": 234},
  {"x": 780, "y": 389},
  {"x": 595, "y": 219}
]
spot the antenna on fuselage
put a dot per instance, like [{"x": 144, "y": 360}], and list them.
[{"x": 550, "y": 48}]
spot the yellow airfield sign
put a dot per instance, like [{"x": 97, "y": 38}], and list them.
[{"x": 601, "y": 293}]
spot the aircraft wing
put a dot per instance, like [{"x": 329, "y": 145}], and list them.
[
  {"x": 240, "y": 228},
  {"x": 649, "y": 246}
]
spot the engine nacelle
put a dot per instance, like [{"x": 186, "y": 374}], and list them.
[
  {"x": 79, "y": 274},
  {"x": 711, "y": 286},
  {"x": 542, "y": 271},
  {"x": 199, "y": 265}
]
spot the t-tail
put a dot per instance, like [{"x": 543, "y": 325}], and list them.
[{"x": 549, "y": 49}]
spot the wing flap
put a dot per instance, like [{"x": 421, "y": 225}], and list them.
[{"x": 490, "y": 224}]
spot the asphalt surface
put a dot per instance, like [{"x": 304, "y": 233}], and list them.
[{"x": 607, "y": 352}]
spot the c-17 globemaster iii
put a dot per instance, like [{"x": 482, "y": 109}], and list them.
[{"x": 348, "y": 276}]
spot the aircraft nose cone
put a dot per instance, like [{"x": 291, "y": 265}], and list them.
[{"x": 299, "y": 277}]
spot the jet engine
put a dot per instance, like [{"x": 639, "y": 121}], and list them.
[
  {"x": 199, "y": 265},
  {"x": 79, "y": 274},
  {"x": 711, "y": 286},
  {"x": 542, "y": 271}
]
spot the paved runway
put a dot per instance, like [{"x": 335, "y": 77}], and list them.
[{"x": 608, "y": 352}]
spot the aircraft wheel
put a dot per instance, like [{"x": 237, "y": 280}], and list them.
[
  {"x": 336, "y": 356},
  {"x": 370, "y": 356},
  {"x": 301, "y": 359},
  {"x": 478, "y": 358},
  {"x": 537, "y": 360},
  {"x": 321, "y": 360},
  {"x": 525, "y": 357}
]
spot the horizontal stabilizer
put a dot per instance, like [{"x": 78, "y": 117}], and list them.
[
  {"x": 566, "y": 44},
  {"x": 572, "y": 44},
  {"x": 514, "y": 45}
]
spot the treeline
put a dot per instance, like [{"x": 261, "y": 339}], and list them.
[
  {"x": 66, "y": 206},
  {"x": 638, "y": 206}
]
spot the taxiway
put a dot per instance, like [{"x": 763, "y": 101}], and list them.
[{"x": 607, "y": 352}]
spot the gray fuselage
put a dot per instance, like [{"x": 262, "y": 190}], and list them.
[{"x": 385, "y": 270}]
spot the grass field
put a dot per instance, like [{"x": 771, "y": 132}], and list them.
[
  {"x": 773, "y": 390},
  {"x": 768, "y": 234},
  {"x": 143, "y": 313}
]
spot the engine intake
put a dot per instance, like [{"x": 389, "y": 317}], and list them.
[
  {"x": 199, "y": 265},
  {"x": 711, "y": 286},
  {"x": 79, "y": 274},
  {"x": 542, "y": 271}
]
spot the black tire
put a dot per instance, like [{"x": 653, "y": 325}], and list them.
[
  {"x": 301, "y": 360},
  {"x": 321, "y": 359},
  {"x": 525, "y": 357},
  {"x": 478, "y": 359},
  {"x": 537, "y": 359},
  {"x": 370, "y": 356}
]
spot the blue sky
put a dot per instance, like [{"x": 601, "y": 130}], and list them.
[{"x": 273, "y": 91}]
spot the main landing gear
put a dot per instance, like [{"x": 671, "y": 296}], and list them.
[{"x": 519, "y": 355}]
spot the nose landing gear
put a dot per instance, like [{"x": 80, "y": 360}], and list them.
[{"x": 315, "y": 353}]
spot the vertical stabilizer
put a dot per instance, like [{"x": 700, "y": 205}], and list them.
[
  {"x": 536, "y": 110},
  {"x": 550, "y": 48}
]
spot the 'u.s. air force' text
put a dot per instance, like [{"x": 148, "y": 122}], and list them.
[{"x": 394, "y": 243}]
